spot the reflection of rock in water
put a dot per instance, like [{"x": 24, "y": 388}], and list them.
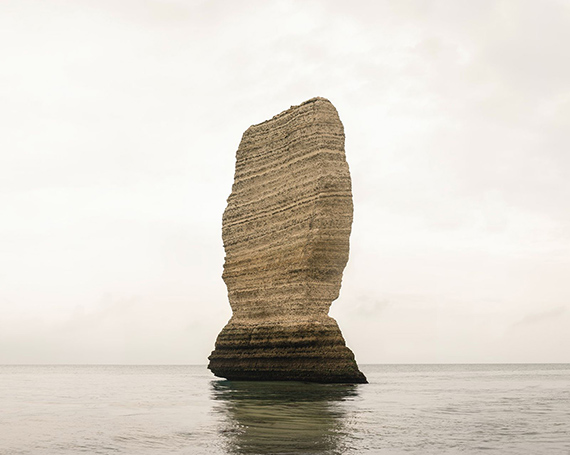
[{"x": 283, "y": 417}]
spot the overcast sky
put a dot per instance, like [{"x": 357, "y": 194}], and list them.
[{"x": 119, "y": 126}]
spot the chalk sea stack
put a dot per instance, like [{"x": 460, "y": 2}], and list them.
[{"x": 286, "y": 232}]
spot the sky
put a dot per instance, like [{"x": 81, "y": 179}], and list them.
[{"x": 119, "y": 126}]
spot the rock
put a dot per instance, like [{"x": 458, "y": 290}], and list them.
[{"x": 286, "y": 235}]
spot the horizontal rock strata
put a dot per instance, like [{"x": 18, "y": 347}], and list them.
[{"x": 286, "y": 235}]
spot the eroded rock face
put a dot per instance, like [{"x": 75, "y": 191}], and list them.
[{"x": 286, "y": 235}]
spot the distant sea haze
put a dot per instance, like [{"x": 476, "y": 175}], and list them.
[{"x": 423, "y": 409}]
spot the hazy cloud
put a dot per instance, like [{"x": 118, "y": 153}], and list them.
[{"x": 542, "y": 316}]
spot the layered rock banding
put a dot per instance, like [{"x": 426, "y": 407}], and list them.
[{"x": 286, "y": 235}]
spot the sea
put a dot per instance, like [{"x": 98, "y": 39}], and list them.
[{"x": 405, "y": 409}]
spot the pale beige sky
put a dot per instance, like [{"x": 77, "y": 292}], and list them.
[{"x": 120, "y": 121}]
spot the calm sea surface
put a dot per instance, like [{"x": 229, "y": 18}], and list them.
[{"x": 423, "y": 409}]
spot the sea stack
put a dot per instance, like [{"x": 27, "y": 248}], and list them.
[{"x": 286, "y": 232}]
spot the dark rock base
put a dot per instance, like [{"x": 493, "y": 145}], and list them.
[{"x": 310, "y": 351}]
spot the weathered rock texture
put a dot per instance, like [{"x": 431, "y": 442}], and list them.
[{"x": 286, "y": 235}]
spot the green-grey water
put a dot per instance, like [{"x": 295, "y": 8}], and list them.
[{"x": 423, "y": 409}]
